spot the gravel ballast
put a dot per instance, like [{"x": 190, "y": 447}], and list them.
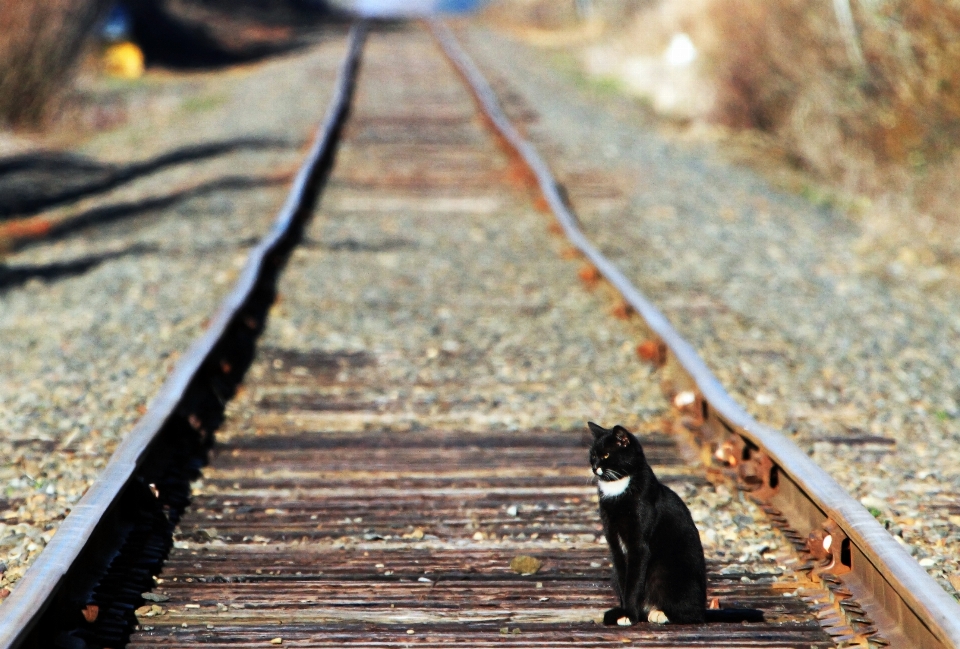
[
  {"x": 92, "y": 320},
  {"x": 854, "y": 358}
]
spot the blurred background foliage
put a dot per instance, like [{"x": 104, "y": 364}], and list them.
[
  {"x": 40, "y": 44},
  {"x": 859, "y": 97},
  {"x": 783, "y": 67},
  {"x": 43, "y": 42},
  {"x": 870, "y": 106}
]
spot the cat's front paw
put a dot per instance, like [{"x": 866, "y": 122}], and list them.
[
  {"x": 614, "y": 615},
  {"x": 624, "y": 621},
  {"x": 657, "y": 617}
]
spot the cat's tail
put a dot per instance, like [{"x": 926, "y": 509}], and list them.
[{"x": 733, "y": 615}]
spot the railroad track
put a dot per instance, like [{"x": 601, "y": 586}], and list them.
[{"x": 379, "y": 496}]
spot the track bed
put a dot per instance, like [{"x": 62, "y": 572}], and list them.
[{"x": 413, "y": 422}]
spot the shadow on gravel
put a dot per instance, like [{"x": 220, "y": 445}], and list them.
[
  {"x": 355, "y": 245},
  {"x": 34, "y": 182},
  {"x": 13, "y": 276},
  {"x": 111, "y": 214}
]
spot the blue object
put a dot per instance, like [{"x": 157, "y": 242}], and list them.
[
  {"x": 460, "y": 6},
  {"x": 409, "y": 8},
  {"x": 116, "y": 26}
]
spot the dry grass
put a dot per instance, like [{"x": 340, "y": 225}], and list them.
[
  {"x": 894, "y": 123},
  {"x": 40, "y": 43},
  {"x": 881, "y": 134},
  {"x": 783, "y": 67}
]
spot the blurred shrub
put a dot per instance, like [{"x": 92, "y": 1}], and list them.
[
  {"x": 211, "y": 33},
  {"x": 40, "y": 43},
  {"x": 782, "y": 66},
  {"x": 879, "y": 133}
]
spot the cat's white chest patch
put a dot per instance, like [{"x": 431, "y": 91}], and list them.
[{"x": 613, "y": 488}]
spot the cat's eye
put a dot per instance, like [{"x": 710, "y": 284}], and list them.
[{"x": 606, "y": 456}]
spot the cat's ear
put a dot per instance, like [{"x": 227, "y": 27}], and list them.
[
  {"x": 623, "y": 436},
  {"x": 598, "y": 431}
]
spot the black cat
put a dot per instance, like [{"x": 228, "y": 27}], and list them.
[{"x": 659, "y": 571}]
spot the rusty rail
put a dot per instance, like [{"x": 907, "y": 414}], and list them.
[
  {"x": 904, "y": 601},
  {"x": 35, "y": 592}
]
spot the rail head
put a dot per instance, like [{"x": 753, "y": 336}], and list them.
[
  {"x": 919, "y": 592},
  {"x": 20, "y": 612}
]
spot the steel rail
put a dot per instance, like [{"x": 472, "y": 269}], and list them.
[
  {"x": 920, "y": 610},
  {"x": 35, "y": 591}
]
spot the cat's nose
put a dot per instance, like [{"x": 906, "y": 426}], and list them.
[{"x": 598, "y": 471}]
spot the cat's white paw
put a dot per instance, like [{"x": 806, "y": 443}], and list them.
[
  {"x": 657, "y": 617},
  {"x": 624, "y": 621}
]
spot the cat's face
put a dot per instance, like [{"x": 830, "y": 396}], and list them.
[{"x": 615, "y": 452}]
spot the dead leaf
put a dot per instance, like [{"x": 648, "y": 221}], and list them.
[
  {"x": 90, "y": 612},
  {"x": 525, "y": 565},
  {"x": 149, "y": 610}
]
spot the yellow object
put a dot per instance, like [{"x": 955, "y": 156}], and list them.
[
  {"x": 525, "y": 565},
  {"x": 124, "y": 60}
]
